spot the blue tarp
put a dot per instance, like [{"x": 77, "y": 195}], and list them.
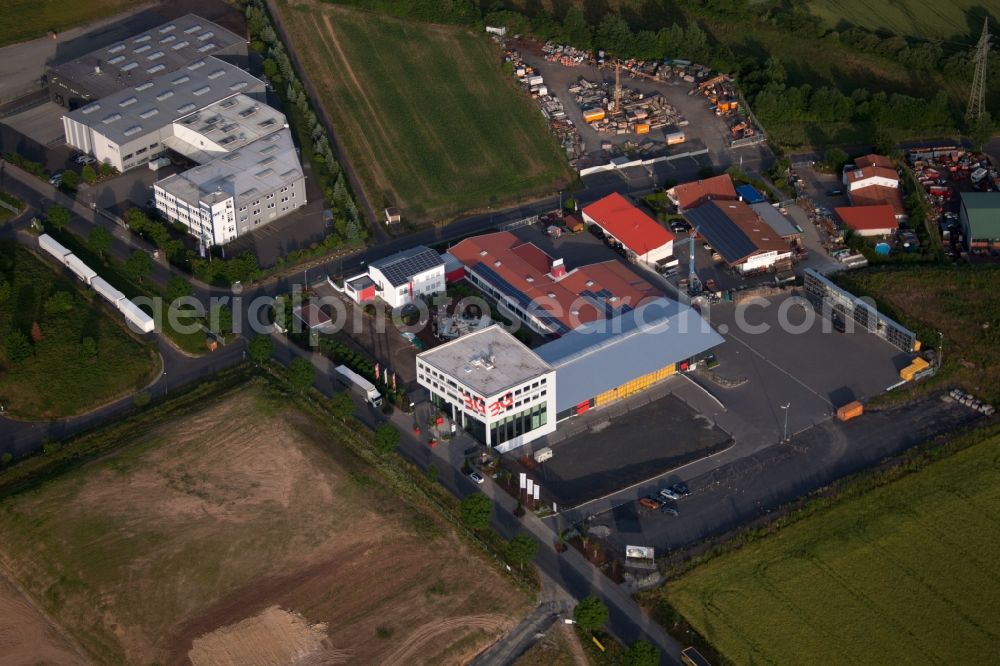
[{"x": 750, "y": 194}]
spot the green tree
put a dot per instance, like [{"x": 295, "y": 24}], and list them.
[
  {"x": 476, "y": 511},
  {"x": 301, "y": 374},
  {"x": 642, "y": 653},
  {"x": 521, "y": 549},
  {"x": 70, "y": 181},
  {"x": 342, "y": 405},
  {"x": 138, "y": 265},
  {"x": 178, "y": 287},
  {"x": 834, "y": 159},
  {"x": 221, "y": 319},
  {"x": 57, "y": 217},
  {"x": 59, "y": 302},
  {"x": 88, "y": 174},
  {"x": 981, "y": 131},
  {"x": 107, "y": 170},
  {"x": 17, "y": 346},
  {"x": 4, "y": 290},
  {"x": 7, "y": 458},
  {"x": 271, "y": 70},
  {"x": 590, "y": 614},
  {"x": 386, "y": 438},
  {"x": 261, "y": 348},
  {"x": 88, "y": 348},
  {"x": 100, "y": 240}
]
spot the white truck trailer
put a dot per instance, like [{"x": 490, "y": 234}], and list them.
[{"x": 352, "y": 378}]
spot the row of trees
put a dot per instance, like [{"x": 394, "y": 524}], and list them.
[{"x": 348, "y": 226}]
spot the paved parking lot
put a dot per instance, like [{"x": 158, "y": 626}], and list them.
[
  {"x": 618, "y": 450},
  {"x": 813, "y": 368},
  {"x": 725, "y": 497}
]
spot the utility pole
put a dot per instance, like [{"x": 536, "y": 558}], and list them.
[
  {"x": 785, "y": 408},
  {"x": 977, "y": 95}
]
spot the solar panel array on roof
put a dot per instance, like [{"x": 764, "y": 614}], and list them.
[
  {"x": 727, "y": 238},
  {"x": 400, "y": 267}
]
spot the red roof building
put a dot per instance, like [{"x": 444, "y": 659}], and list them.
[
  {"x": 540, "y": 290},
  {"x": 643, "y": 236},
  {"x": 877, "y": 195},
  {"x": 690, "y": 195},
  {"x": 877, "y": 220},
  {"x": 874, "y": 160}
]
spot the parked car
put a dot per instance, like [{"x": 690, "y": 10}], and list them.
[
  {"x": 680, "y": 487},
  {"x": 477, "y": 477},
  {"x": 56, "y": 179},
  {"x": 596, "y": 230},
  {"x": 650, "y": 503},
  {"x": 669, "y": 509},
  {"x": 669, "y": 494},
  {"x": 85, "y": 159},
  {"x": 834, "y": 192}
]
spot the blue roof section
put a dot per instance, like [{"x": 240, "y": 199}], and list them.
[
  {"x": 723, "y": 234},
  {"x": 750, "y": 194},
  {"x": 603, "y": 355}
]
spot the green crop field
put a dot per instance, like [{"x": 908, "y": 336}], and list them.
[
  {"x": 916, "y": 18},
  {"x": 429, "y": 120},
  {"x": 904, "y": 574},
  {"x": 31, "y": 19},
  {"x": 62, "y": 374}
]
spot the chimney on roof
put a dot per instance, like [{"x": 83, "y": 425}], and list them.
[{"x": 558, "y": 270}]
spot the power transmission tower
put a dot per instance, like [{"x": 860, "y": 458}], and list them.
[{"x": 977, "y": 96}]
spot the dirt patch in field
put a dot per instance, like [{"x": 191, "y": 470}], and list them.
[
  {"x": 26, "y": 637},
  {"x": 275, "y": 637},
  {"x": 245, "y": 534}
]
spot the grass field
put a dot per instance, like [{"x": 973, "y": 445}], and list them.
[
  {"x": 917, "y": 18},
  {"x": 245, "y": 535},
  {"x": 902, "y": 574},
  {"x": 962, "y": 303},
  {"x": 30, "y": 19},
  {"x": 60, "y": 377},
  {"x": 428, "y": 118}
]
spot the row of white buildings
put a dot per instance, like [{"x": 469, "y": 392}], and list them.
[{"x": 207, "y": 110}]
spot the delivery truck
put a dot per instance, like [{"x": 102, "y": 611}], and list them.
[{"x": 352, "y": 378}]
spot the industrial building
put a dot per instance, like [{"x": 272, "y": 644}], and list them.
[
  {"x": 492, "y": 386},
  {"x": 779, "y": 223},
  {"x": 539, "y": 289},
  {"x": 877, "y": 220},
  {"x": 980, "y": 220},
  {"x": 599, "y": 363},
  {"x": 873, "y": 181},
  {"x": 691, "y": 195},
  {"x": 400, "y": 278},
  {"x": 162, "y": 50},
  {"x": 234, "y": 193},
  {"x": 128, "y": 128},
  {"x": 830, "y": 300},
  {"x": 644, "y": 238},
  {"x": 744, "y": 241}
]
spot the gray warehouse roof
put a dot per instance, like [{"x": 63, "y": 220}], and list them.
[
  {"x": 225, "y": 126},
  {"x": 489, "y": 361},
  {"x": 255, "y": 169},
  {"x": 163, "y": 49},
  {"x": 157, "y": 103},
  {"x": 600, "y": 356},
  {"x": 400, "y": 268},
  {"x": 774, "y": 219}
]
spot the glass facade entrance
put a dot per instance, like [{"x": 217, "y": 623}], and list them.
[{"x": 518, "y": 424}]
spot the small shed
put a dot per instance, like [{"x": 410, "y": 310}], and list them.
[
  {"x": 393, "y": 215},
  {"x": 573, "y": 224}
]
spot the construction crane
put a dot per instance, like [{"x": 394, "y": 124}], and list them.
[
  {"x": 977, "y": 95},
  {"x": 694, "y": 284}
]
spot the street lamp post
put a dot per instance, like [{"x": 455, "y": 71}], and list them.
[{"x": 785, "y": 408}]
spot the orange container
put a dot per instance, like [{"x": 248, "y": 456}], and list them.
[
  {"x": 642, "y": 128},
  {"x": 850, "y": 410}
]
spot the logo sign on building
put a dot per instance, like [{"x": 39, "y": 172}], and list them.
[
  {"x": 474, "y": 404},
  {"x": 502, "y": 404}
]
